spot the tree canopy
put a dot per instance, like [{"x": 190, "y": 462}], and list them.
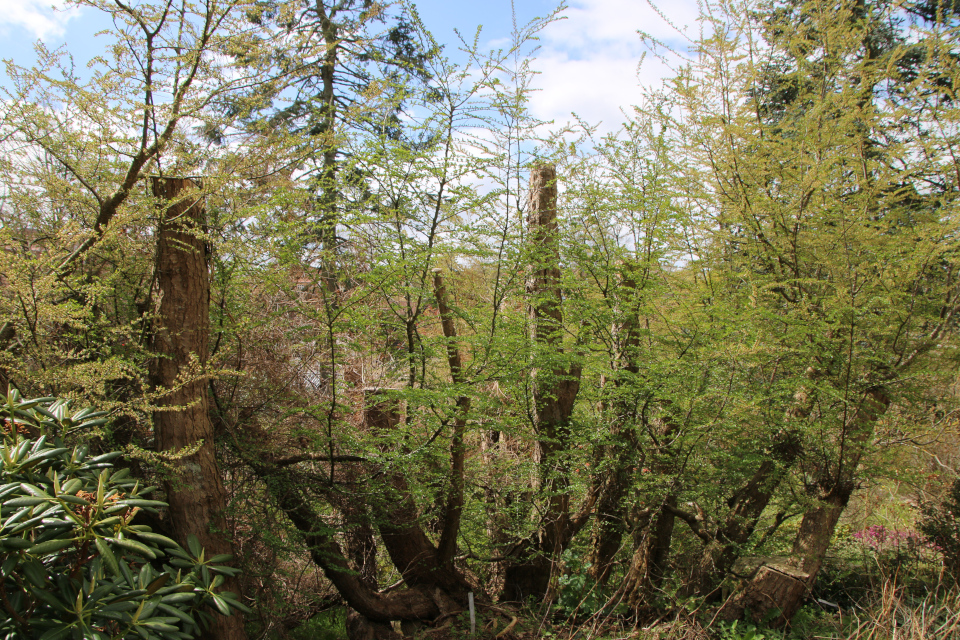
[{"x": 390, "y": 340}]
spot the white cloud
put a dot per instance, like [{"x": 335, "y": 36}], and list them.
[
  {"x": 588, "y": 62},
  {"x": 43, "y": 19}
]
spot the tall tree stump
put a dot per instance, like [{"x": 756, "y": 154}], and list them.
[{"x": 181, "y": 338}]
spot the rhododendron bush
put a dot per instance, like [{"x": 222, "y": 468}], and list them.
[{"x": 73, "y": 561}]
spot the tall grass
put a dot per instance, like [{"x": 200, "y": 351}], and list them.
[{"x": 894, "y": 615}]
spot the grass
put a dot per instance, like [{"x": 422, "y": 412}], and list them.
[{"x": 326, "y": 625}]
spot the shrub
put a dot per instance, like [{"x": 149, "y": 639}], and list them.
[
  {"x": 940, "y": 525},
  {"x": 579, "y": 592},
  {"x": 72, "y": 562}
]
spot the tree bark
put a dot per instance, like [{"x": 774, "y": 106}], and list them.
[
  {"x": 410, "y": 550},
  {"x": 7, "y": 334},
  {"x": 195, "y": 493},
  {"x": 447, "y": 546},
  {"x": 554, "y": 391},
  {"x": 651, "y": 554},
  {"x": 610, "y": 524},
  {"x": 783, "y": 591},
  {"x": 615, "y": 461},
  {"x": 746, "y": 507},
  {"x": 748, "y": 503}
]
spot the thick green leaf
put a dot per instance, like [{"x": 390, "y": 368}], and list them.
[
  {"x": 136, "y": 547},
  {"x": 50, "y": 546},
  {"x": 24, "y": 502},
  {"x": 155, "y": 538},
  {"x": 35, "y": 573},
  {"x": 194, "y": 545},
  {"x": 107, "y": 554},
  {"x": 16, "y": 543},
  {"x": 158, "y": 583},
  {"x": 220, "y": 604}
]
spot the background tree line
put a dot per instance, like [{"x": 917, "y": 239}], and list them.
[{"x": 296, "y": 254}]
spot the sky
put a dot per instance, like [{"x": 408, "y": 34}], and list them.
[{"x": 587, "y": 62}]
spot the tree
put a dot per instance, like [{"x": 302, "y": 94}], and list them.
[
  {"x": 830, "y": 222},
  {"x": 181, "y": 334},
  {"x": 80, "y": 288},
  {"x": 344, "y": 77}
]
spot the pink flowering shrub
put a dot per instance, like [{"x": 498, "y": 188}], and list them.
[{"x": 880, "y": 539}]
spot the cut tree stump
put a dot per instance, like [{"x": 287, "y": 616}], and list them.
[{"x": 775, "y": 588}]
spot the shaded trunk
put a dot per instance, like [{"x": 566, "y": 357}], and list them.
[
  {"x": 7, "y": 333},
  {"x": 447, "y": 547},
  {"x": 430, "y": 591},
  {"x": 411, "y": 551},
  {"x": 724, "y": 546},
  {"x": 415, "y": 603},
  {"x": 780, "y": 593},
  {"x": 746, "y": 507},
  {"x": 722, "y": 552},
  {"x": 651, "y": 554},
  {"x": 360, "y": 544},
  {"x": 327, "y": 130},
  {"x": 624, "y": 453},
  {"x": 195, "y": 493},
  {"x": 554, "y": 391},
  {"x": 610, "y": 525}
]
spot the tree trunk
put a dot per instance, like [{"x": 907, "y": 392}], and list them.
[
  {"x": 195, "y": 491},
  {"x": 650, "y": 556},
  {"x": 453, "y": 511},
  {"x": 616, "y": 461},
  {"x": 360, "y": 544},
  {"x": 7, "y": 333},
  {"x": 610, "y": 525},
  {"x": 783, "y": 591},
  {"x": 749, "y": 502},
  {"x": 746, "y": 507},
  {"x": 554, "y": 391},
  {"x": 415, "y": 603},
  {"x": 409, "y": 548},
  {"x": 430, "y": 590}
]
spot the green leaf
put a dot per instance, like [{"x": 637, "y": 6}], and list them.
[
  {"x": 173, "y": 598},
  {"x": 35, "y": 573},
  {"x": 44, "y": 455},
  {"x": 72, "y": 485},
  {"x": 173, "y": 611},
  {"x": 107, "y": 554},
  {"x": 23, "y": 526},
  {"x": 73, "y": 500},
  {"x": 50, "y": 546},
  {"x": 9, "y": 564},
  {"x": 24, "y": 502},
  {"x": 49, "y": 598},
  {"x": 136, "y": 547},
  {"x": 194, "y": 545},
  {"x": 56, "y": 633},
  {"x": 231, "y": 599},
  {"x": 35, "y": 491},
  {"x": 221, "y": 604},
  {"x": 16, "y": 543},
  {"x": 158, "y": 583},
  {"x": 155, "y": 538},
  {"x": 138, "y": 502},
  {"x": 106, "y": 457},
  {"x": 157, "y": 626}
]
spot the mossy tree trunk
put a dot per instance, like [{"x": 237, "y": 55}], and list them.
[{"x": 181, "y": 337}]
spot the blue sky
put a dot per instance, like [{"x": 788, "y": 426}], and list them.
[{"x": 587, "y": 61}]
